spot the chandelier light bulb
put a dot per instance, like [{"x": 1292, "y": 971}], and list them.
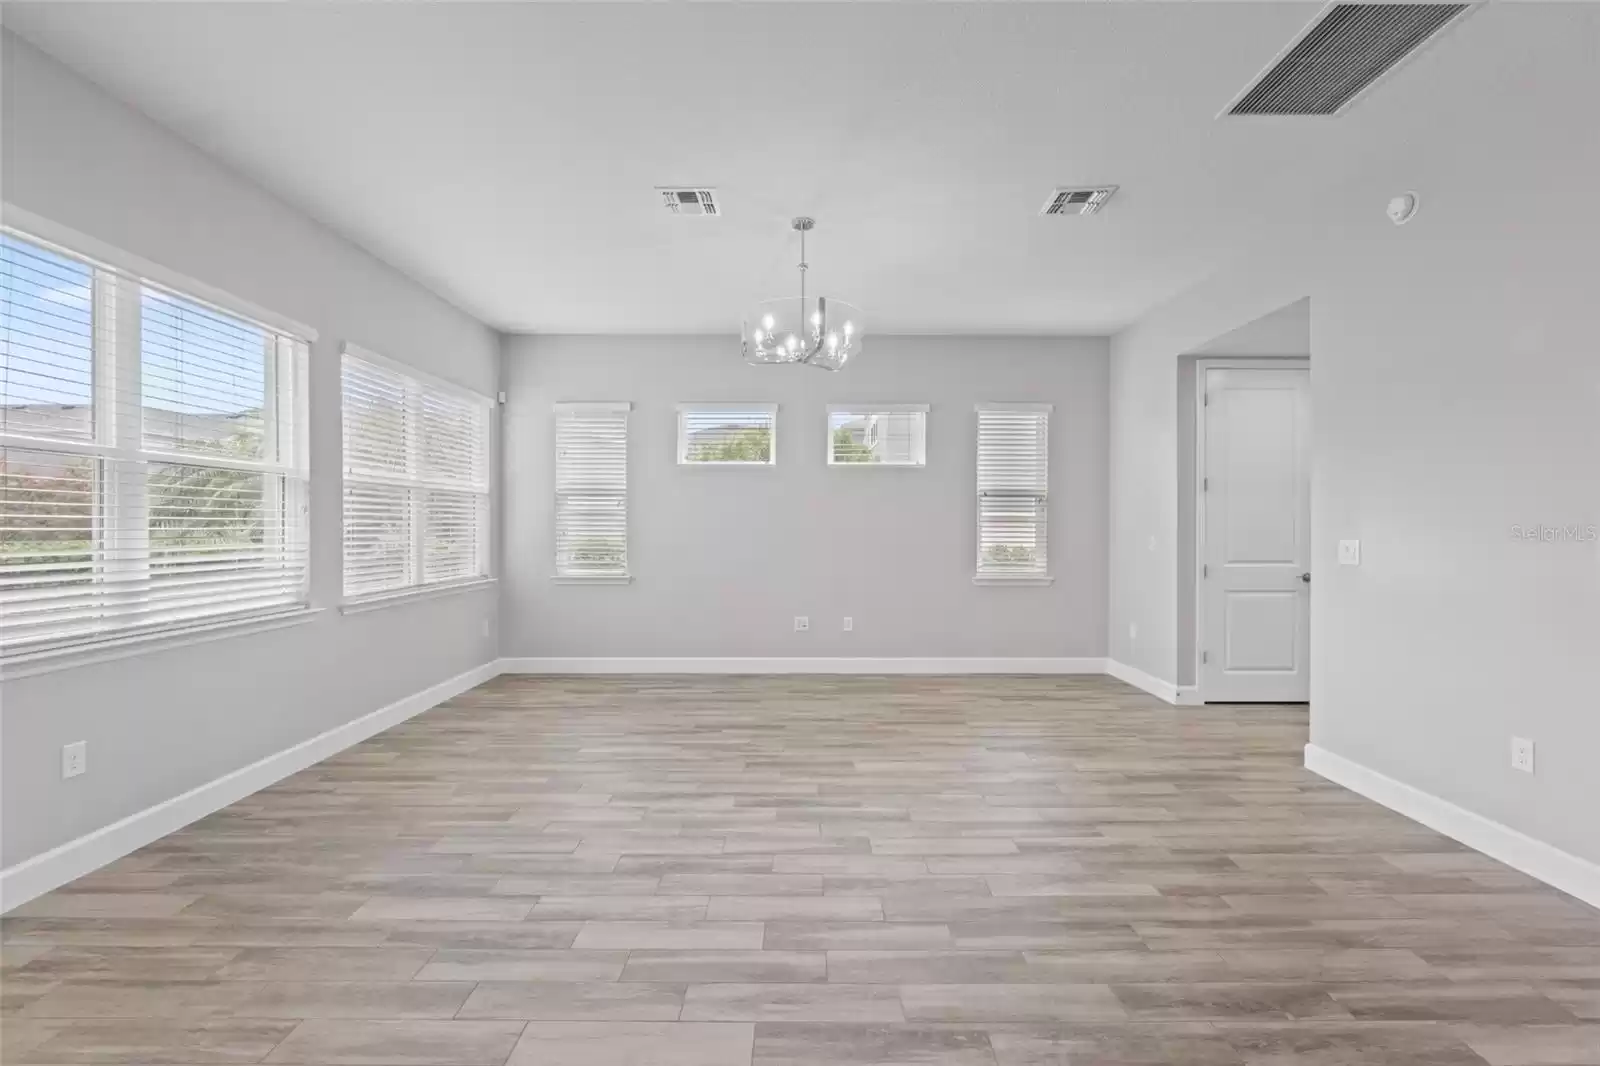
[
  {"x": 816, "y": 318},
  {"x": 849, "y": 327},
  {"x": 793, "y": 344},
  {"x": 766, "y": 323},
  {"x": 759, "y": 335}
]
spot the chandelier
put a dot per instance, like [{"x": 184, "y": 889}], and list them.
[{"x": 790, "y": 330}]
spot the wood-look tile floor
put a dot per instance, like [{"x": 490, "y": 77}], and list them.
[{"x": 808, "y": 871}]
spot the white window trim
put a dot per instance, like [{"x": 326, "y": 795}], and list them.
[
  {"x": 117, "y": 280},
  {"x": 1013, "y": 579},
  {"x": 353, "y": 604},
  {"x": 591, "y": 579},
  {"x": 683, "y": 437},
  {"x": 376, "y": 601},
  {"x": 1016, "y": 580},
  {"x": 873, "y": 409},
  {"x": 589, "y": 407},
  {"x": 82, "y": 246},
  {"x": 52, "y": 658}
]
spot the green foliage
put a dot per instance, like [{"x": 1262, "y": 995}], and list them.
[
  {"x": 847, "y": 449},
  {"x": 596, "y": 553},
  {"x": 200, "y": 505},
  {"x": 47, "y": 516},
  {"x": 750, "y": 445},
  {"x": 204, "y": 505},
  {"x": 1009, "y": 555}
]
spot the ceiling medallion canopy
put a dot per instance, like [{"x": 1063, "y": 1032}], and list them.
[{"x": 822, "y": 332}]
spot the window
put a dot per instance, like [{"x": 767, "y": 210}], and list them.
[
  {"x": 152, "y": 460},
  {"x": 416, "y": 478},
  {"x": 592, "y": 491},
  {"x": 728, "y": 434},
  {"x": 1013, "y": 487},
  {"x": 878, "y": 435}
]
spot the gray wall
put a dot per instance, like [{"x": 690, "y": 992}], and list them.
[
  {"x": 162, "y": 723},
  {"x": 1456, "y": 392},
  {"x": 725, "y": 558}
]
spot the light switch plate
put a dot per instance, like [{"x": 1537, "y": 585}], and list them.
[
  {"x": 74, "y": 758},
  {"x": 1522, "y": 754},
  {"x": 1349, "y": 553},
  {"x": 849, "y": 624}
]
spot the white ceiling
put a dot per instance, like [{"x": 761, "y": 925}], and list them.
[{"x": 505, "y": 154}]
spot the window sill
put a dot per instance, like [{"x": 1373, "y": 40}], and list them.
[
  {"x": 592, "y": 579},
  {"x": 378, "y": 600},
  {"x": 1013, "y": 579},
  {"x": 66, "y": 657}
]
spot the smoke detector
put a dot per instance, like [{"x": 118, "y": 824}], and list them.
[
  {"x": 1078, "y": 200},
  {"x": 1403, "y": 208},
  {"x": 681, "y": 201}
]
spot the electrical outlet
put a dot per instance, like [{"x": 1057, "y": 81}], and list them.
[
  {"x": 1349, "y": 553},
  {"x": 74, "y": 758},
  {"x": 1133, "y": 630},
  {"x": 801, "y": 623},
  {"x": 849, "y": 624},
  {"x": 1522, "y": 754}
]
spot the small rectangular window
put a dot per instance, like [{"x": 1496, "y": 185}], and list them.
[
  {"x": 1013, "y": 491},
  {"x": 877, "y": 435},
  {"x": 592, "y": 491},
  {"x": 416, "y": 478},
  {"x": 728, "y": 434}
]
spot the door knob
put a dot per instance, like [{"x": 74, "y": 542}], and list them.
[{"x": 1306, "y": 578}]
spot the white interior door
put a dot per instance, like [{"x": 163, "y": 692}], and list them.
[{"x": 1255, "y": 582}]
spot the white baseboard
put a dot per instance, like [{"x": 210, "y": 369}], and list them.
[
  {"x": 1163, "y": 690},
  {"x": 38, "y": 875},
  {"x": 1563, "y": 870},
  {"x": 1189, "y": 696},
  {"x": 796, "y": 665}
]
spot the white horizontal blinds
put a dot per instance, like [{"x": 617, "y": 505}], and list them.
[
  {"x": 151, "y": 472},
  {"x": 46, "y": 343},
  {"x": 727, "y": 433},
  {"x": 50, "y": 580},
  {"x": 375, "y": 417},
  {"x": 452, "y": 536},
  {"x": 455, "y": 451},
  {"x": 204, "y": 379},
  {"x": 591, "y": 490},
  {"x": 877, "y": 435},
  {"x": 1013, "y": 487},
  {"x": 416, "y": 479}
]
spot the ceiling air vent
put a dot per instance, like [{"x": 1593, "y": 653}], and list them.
[
  {"x": 1342, "y": 54},
  {"x": 1079, "y": 201},
  {"x": 690, "y": 201}
]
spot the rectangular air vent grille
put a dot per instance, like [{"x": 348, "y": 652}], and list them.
[
  {"x": 1078, "y": 201},
  {"x": 690, "y": 201},
  {"x": 1343, "y": 53}
]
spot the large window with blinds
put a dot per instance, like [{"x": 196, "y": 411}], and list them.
[
  {"x": 591, "y": 444},
  {"x": 1013, "y": 492},
  {"x": 728, "y": 434},
  {"x": 416, "y": 479},
  {"x": 152, "y": 455}
]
